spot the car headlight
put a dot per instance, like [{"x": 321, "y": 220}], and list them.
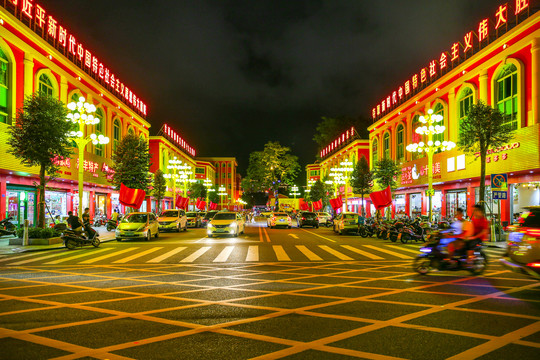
[
  {"x": 234, "y": 225},
  {"x": 210, "y": 225}
]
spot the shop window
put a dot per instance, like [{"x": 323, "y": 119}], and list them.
[
  {"x": 45, "y": 85},
  {"x": 386, "y": 145},
  {"x": 229, "y": 175},
  {"x": 465, "y": 100},
  {"x": 375, "y": 151},
  {"x": 99, "y": 130},
  {"x": 4, "y": 87},
  {"x": 506, "y": 93},
  {"x": 416, "y": 138},
  {"x": 199, "y": 170},
  {"x": 439, "y": 110},
  {"x": 116, "y": 133},
  {"x": 400, "y": 141}
]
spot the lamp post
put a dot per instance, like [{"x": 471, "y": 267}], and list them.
[
  {"x": 222, "y": 191},
  {"x": 208, "y": 184},
  {"x": 294, "y": 192},
  {"x": 173, "y": 166},
  {"x": 346, "y": 168},
  {"x": 430, "y": 128},
  {"x": 81, "y": 113}
]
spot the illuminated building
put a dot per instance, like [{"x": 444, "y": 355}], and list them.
[
  {"x": 347, "y": 147},
  {"x": 226, "y": 176},
  {"x": 497, "y": 61},
  {"x": 37, "y": 53}
]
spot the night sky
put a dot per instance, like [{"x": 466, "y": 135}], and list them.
[{"x": 232, "y": 75}]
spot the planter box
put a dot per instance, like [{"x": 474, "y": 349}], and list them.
[{"x": 48, "y": 241}]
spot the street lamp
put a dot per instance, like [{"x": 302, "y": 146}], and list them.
[
  {"x": 341, "y": 177},
  {"x": 430, "y": 128},
  {"x": 208, "y": 184},
  {"x": 221, "y": 193},
  {"x": 173, "y": 167},
  {"x": 294, "y": 192},
  {"x": 81, "y": 114}
]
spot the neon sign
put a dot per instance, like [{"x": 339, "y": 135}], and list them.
[
  {"x": 459, "y": 51},
  {"x": 342, "y": 139},
  {"x": 174, "y": 137},
  {"x": 46, "y": 26}
]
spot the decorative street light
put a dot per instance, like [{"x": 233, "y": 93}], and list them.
[
  {"x": 208, "y": 184},
  {"x": 81, "y": 114},
  {"x": 221, "y": 193},
  {"x": 341, "y": 177},
  {"x": 294, "y": 192},
  {"x": 173, "y": 167},
  {"x": 430, "y": 128}
]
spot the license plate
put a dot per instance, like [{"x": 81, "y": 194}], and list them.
[
  {"x": 220, "y": 230},
  {"x": 399, "y": 236},
  {"x": 129, "y": 233}
]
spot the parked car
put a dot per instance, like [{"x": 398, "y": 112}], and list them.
[
  {"x": 279, "y": 219},
  {"x": 207, "y": 217},
  {"x": 226, "y": 223},
  {"x": 308, "y": 219},
  {"x": 346, "y": 222},
  {"x": 193, "y": 219},
  {"x": 324, "y": 218},
  {"x": 138, "y": 225},
  {"x": 172, "y": 220},
  {"x": 266, "y": 214},
  {"x": 523, "y": 245}
]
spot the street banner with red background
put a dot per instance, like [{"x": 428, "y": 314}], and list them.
[
  {"x": 336, "y": 203},
  {"x": 212, "y": 206},
  {"x": 304, "y": 206},
  {"x": 131, "y": 197},
  {"x": 201, "y": 204},
  {"x": 182, "y": 202},
  {"x": 381, "y": 199},
  {"x": 317, "y": 205}
]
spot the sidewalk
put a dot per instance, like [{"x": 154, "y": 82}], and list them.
[{"x": 5, "y": 248}]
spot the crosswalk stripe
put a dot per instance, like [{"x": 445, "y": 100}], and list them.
[
  {"x": 404, "y": 249},
  {"x": 17, "y": 257},
  {"x": 86, "y": 253},
  {"x": 167, "y": 255},
  {"x": 309, "y": 254},
  {"x": 325, "y": 238},
  {"x": 401, "y": 256},
  {"x": 253, "y": 253},
  {"x": 224, "y": 254},
  {"x": 37, "y": 259},
  {"x": 362, "y": 252},
  {"x": 93, "y": 260},
  {"x": 280, "y": 253},
  {"x": 335, "y": 253},
  {"x": 135, "y": 256},
  {"x": 195, "y": 255}
]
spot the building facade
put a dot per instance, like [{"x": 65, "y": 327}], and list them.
[
  {"x": 37, "y": 54},
  {"x": 497, "y": 62},
  {"x": 226, "y": 177}
]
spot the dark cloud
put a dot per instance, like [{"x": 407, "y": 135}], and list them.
[{"x": 231, "y": 75}]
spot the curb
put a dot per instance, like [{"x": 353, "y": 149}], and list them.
[{"x": 23, "y": 250}]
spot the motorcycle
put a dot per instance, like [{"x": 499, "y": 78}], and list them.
[
  {"x": 434, "y": 255},
  {"x": 7, "y": 227},
  {"x": 100, "y": 220},
  {"x": 113, "y": 224},
  {"x": 73, "y": 239},
  {"x": 393, "y": 232},
  {"x": 412, "y": 231}
]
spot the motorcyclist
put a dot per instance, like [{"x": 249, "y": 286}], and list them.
[
  {"x": 460, "y": 230},
  {"x": 480, "y": 229},
  {"x": 74, "y": 222}
]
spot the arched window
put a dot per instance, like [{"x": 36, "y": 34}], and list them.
[
  {"x": 75, "y": 97},
  {"x": 400, "y": 143},
  {"x": 99, "y": 130},
  {"x": 465, "y": 100},
  {"x": 45, "y": 85},
  {"x": 386, "y": 145},
  {"x": 116, "y": 133},
  {"x": 4, "y": 87},
  {"x": 375, "y": 151},
  {"x": 416, "y": 138},
  {"x": 131, "y": 131},
  {"x": 506, "y": 93},
  {"x": 439, "y": 110}
]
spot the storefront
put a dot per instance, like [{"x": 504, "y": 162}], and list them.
[
  {"x": 101, "y": 204},
  {"x": 400, "y": 203},
  {"x": 415, "y": 205},
  {"x": 455, "y": 199},
  {"x": 21, "y": 204}
]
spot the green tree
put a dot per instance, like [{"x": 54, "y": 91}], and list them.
[
  {"x": 385, "y": 173},
  {"x": 362, "y": 179},
  {"x": 38, "y": 137},
  {"x": 213, "y": 196},
  {"x": 270, "y": 168},
  {"x": 160, "y": 186},
  {"x": 328, "y": 129},
  {"x": 131, "y": 163},
  {"x": 484, "y": 127},
  {"x": 196, "y": 190}
]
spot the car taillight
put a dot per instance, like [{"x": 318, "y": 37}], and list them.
[
  {"x": 303, "y": 218},
  {"x": 534, "y": 264},
  {"x": 273, "y": 218},
  {"x": 533, "y": 232}
]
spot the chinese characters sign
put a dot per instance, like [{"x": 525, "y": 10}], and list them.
[
  {"x": 172, "y": 135},
  {"x": 342, "y": 139},
  {"x": 47, "y": 26},
  {"x": 411, "y": 173}
]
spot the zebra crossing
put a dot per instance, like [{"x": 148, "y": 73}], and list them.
[{"x": 223, "y": 253}]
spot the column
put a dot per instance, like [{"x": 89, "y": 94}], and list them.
[
  {"x": 109, "y": 206},
  {"x": 28, "y": 74},
  {"x": 451, "y": 120},
  {"x": 3, "y": 197},
  {"x": 63, "y": 89},
  {"x": 483, "y": 86},
  {"x": 535, "y": 73}
]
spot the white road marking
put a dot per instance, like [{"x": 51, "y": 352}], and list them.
[
  {"x": 167, "y": 255},
  {"x": 37, "y": 259},
  {"x": 93, "y": 260},
  {"x": 280, "y": 253},
  {"x": 404, "y": 249},
  {"x": 18, "y": 257},
  {"x": 393, "y": 253},
  {"x": 77, "y": 256},
  {"x": 224, "y": 254},
  {"x": 325, "y": 238},
  {"x": 335, "y": 253},
  {"x": 362, "y": 252},
  {"x": 294, "y": 236},
  {"x": 253, "y": 253},
  {"x": 196, "y": 255},
  {"x": 135, "y": 256},
  {"x": 309, "y": 254}
]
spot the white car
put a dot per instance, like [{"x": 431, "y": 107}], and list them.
[
  {"x": 279, "y": 219},
  {"x": 226, "y": 223},
  {"x": 324, "y": 218},
  {"x": 172, "y": 220}
]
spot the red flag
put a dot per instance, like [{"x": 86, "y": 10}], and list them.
[
  {"x": 381, "y": 199},
  {"x": 304, "y": 206},
  {"x": 182, "y": 202},
  {"x": 317, "y": 205},
  {"x": 131, "y": 197},
  {"x": 197, "y": 203},
  {"x": 212, "y": 206},
  {"x": 201, "y": 205}
]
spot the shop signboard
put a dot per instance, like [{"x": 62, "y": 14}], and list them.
[{"x": 499, "y": 186}]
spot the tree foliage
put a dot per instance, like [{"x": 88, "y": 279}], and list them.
[
  {"x": 318, "y": 192},
  {"x": 271, "y": 167},
  {"x": 38, "y": 137},
  {"x": 362, "y": 179},
  {"x": 484, "y": 127},
  {"x": 213, "y": 196},
  {"x": 160, "y": 186},
  {"x": 328, "y": 129},
  {"x": 385, "y": 173},
  {"x": 196, "y": 190},
  {"x": 131, "y": 163}
]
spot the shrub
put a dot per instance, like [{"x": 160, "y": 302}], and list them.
[{"x": 38, "y": 233}]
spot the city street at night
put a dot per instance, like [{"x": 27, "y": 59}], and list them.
[{"x": 271, "y": 293}]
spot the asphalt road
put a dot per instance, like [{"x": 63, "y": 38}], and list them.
[{"x": 267, "y": 294}]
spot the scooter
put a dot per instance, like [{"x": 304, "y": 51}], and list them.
[
  {"x": 7, "y": 228},
  {"x": 412, "y": 231},
  {"x": 100, "y": 220},
  {"x": 434, "y": 255},
  {"x": 113, "y": 224},
  {"x": 393, "y": 232},
  {"x": 73, "y": 239}
]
